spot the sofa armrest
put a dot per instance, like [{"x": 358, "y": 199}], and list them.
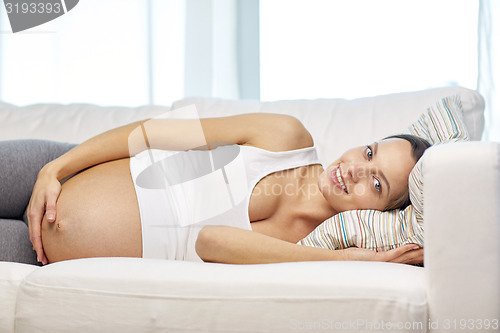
[{"x": 462, "y": 232}]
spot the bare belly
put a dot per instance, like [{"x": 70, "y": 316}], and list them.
[{"x": 97, "y": 216}]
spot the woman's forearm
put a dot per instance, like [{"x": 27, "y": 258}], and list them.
[
  {"x": 238, "y": 246},
  {"x": 108, "y": 146},
  {"x": 128, "y": 140}
]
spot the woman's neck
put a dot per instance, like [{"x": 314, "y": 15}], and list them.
[{"x": 311, "y": 206}]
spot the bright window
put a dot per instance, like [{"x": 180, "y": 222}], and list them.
[
  {"x": 100, "y": 52},
  {"x": 348, "y": 49}
]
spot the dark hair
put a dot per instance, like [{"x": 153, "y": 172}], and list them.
[{"x": 418, "y": 147}]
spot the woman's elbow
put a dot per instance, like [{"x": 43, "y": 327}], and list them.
[{"x": 207, "y": 243}]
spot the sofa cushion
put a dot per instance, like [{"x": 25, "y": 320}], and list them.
[
  {"x": 375, "y": 117},
  {"x": 73, "y": 123},
  {"x": 20, "y": 162},
  {"x": 96, "y": 294},
  {"x": 339, "y": 124},
  {"x": 15, "y": 243}
]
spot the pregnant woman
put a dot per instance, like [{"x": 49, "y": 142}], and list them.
[{"x": 120, "y": 201}]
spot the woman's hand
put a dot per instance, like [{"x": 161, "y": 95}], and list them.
[
  {"x": 407, "y": 254},
  {"x": 42, "y": 202}
]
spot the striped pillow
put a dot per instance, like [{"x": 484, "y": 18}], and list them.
[{"x": 441, "y": 123}]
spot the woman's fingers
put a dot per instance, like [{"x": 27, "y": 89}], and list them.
[
  {"x": 50, "y": 206},
  {"x": 406, "y": 254},
  {"x": 42, "y": 202},
  {"x": 412, "y": 257},
  {"x": 35, "y": 222}
]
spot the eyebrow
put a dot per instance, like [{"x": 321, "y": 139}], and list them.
[{"x": 381, "y": 173}]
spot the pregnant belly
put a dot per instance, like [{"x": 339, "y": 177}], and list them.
[{"x": 97, "y": 216}]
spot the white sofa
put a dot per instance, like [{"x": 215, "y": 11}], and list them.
[{"x": 458, "y": 290}]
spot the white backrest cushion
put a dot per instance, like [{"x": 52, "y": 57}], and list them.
[
  {"x": 67, "y": 123},
  {"x": 338, "y": 124}
]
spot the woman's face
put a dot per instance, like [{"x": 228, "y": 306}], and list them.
[{"x": 368, "y": 177}]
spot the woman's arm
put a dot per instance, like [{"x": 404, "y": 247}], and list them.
[
  {"x": 232, "y": 245},
  {"x": 269, "y": 131}
]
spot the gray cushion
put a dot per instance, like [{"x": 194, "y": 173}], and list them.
[
  {"x": 14, "y": 242},
  {"x": 19, "y": 165}
]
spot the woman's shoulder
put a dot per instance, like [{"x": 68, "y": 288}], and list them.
[
  {"x": 279, "y": 132},
  {"x": 274, "y": 132}
]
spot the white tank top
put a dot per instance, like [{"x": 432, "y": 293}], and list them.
[{"x": 181, "y": 192}]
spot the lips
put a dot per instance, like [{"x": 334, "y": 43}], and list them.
[{"x": 337, "y": 179}]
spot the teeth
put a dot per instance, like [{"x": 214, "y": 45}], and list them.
[{"x": 341, "y": 182}]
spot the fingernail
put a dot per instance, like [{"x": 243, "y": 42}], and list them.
[{"x": 50, "y": 217}]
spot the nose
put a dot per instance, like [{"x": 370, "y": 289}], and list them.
[{"x": 356, "y": 171}]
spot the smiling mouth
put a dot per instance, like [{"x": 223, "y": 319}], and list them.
[{"x": 337, "y": 175}]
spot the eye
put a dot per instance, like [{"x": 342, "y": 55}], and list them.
[
  {"x": 369, "y": 152},
  {"x": 377, "y": 185}
]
